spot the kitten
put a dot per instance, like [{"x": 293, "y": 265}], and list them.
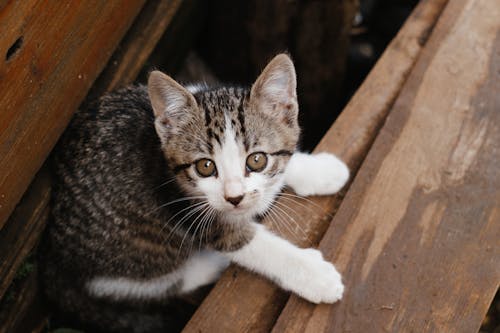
[{"x": 158, "y": 188}]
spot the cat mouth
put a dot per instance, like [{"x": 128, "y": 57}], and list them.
[{"x": 240, "y": 209}]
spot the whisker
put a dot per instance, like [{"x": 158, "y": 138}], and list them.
[
  {"x": 178, "y": 200},
  {"x": 210, "y": 223},
  {"x": 202, "y": 229},
  {"x": 276, "y": 219},
  {"x": 284, "y": 206},
  {"x": 168, "y": 181},
  {"x": 209, "y": 217},
  {"x": 305, "y": 205},
  {"x": 286, "y": 222},
  {"x": 190, "y": 226},
  {"x": 196, "y": 207},
  {"x": 203, "y": 216},
  {"x": 271, "y": 215}
]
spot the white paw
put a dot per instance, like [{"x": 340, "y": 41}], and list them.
[
  {"x": 319, "y": 174},
  {"x": 314, "y": 279}
]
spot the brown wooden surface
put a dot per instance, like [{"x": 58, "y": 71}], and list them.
[
  {"x": 18, "y": 239},
  {"x": 24, "y": 226},
  {"x": 170, "y": 54},
  {"x": 316, "y": 33},
  {"x": 26, "y": 311},
  {"x": 65, "y": 44},
  {"x": 133, "y": 51},
  {"x": 416, "y": 237},
  {"x": 244, "y": 302}
]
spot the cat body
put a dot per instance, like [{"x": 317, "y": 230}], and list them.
[{"x": 159, "y": 188}]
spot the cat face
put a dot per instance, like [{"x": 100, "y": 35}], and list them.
[{"x": 229, "y": 146}]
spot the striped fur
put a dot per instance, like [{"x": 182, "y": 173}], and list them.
[{"x": 120, "y": 234}]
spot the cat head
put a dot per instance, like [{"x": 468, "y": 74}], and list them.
[{"x": 229, "y": 146}]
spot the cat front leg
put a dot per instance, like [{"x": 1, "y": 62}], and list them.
[
  {"x": 302, "y": 271},
  {"x": 201, "y": 269},
  {"x": 317, "y": 174}
]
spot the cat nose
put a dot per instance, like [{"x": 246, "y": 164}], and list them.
[{"x": 235, "y": 200}]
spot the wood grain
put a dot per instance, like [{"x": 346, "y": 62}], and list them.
[
  {"x": 25, "y": 313},
  {"x": 138, "y": 44},
  {"x": 416, "y": 237},
  {"x": 18, "y": 239},
  {"x": 16, "y": 234},
  {"x": 24, "y": 226},
  {"x": 64, "y": 46},
  {"x": 244, "y": 302},
  {"x": 316, "y": 33}
]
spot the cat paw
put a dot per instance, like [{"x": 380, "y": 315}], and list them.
[
  {"x": 319, "y": 174},
  {"x": 314, "y": 278}
]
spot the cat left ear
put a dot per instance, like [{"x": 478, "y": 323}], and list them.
[
  {"x": 169, "y": 99},
  {"x": 275, "y": 90}
]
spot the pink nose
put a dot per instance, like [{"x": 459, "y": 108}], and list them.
[{"x": 234, "y": 200}]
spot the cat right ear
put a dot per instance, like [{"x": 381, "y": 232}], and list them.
[
  {"x": 275, "y": 93},
  {"x": 169, "y": 99}
]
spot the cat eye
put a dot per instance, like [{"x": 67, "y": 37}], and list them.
[
  {"x": 256, "y": 162},
  {"x": 205, "y": 167}
]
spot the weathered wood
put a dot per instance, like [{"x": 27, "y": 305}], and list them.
[
  {"x": 242, "y": 301},
  {"x": 416, "y": 237},
  {"x": 133, "y": 51},
  {"x": 24, "y": 226},
  {"x": 25, "y": 313},
  {"x": 51, "y": 54},
  {"x": 171, "y": 52},
  {"x": 316, "y": 33},
  {"x": 320, "y": 50},
  {"x": 18, "y": 239}
]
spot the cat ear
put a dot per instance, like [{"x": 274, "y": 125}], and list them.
[
  {"x": 275, "y": 91},
  {"x": 169, "y": 99}
]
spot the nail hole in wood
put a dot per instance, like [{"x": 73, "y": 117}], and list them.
[{"x": 14, "y": 48}]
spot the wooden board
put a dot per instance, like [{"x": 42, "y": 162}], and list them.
[
  {"x": 25, "y": 224},
  {"x": 23, "y": 228},
  {"x": 18, "y": 239},
  {"x": 140, "y": 41},
  {"x": 51, "y": 52},
  {"x": 417, "y": 236},
  {"x": 244, "y": 302},
  {"x": 26, "y": 313},
  {"x": 315, "y": 33}
]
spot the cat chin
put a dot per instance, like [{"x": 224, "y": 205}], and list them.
[
  {"x": 237, "y": 217},
  {"x": 240, "y": 212},
  {"x": 244, "y": 214}
]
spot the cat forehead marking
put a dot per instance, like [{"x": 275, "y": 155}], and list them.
[
  {"x": 224, "y": 109},
  {"x": 230, "y": 157}
]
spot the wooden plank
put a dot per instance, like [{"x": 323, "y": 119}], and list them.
[
  {"x": 24, "y": 226},
  {"x": 23, "y": 230},
  {"x": 16, "y": 235},
  {"x": 171, "y": 53},
  {"x": 51, "y": 53},
  {"x": 416, "y": 237},
  {"x": 25, "y": 313},
  {"x": 319, "y": 49},
  {"x": 133, "y": 51},
  {"x": 244, "y": 302}
]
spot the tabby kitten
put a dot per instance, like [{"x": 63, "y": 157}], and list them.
[{"x": 158, "y": 188}]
